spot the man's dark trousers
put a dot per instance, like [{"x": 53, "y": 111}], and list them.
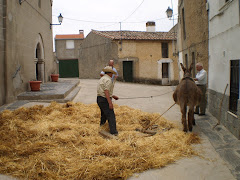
[
  {"x": 107, "y": 114},
  {"x": 203, "y": 103}
]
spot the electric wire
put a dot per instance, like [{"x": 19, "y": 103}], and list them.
[
  {"x": 37, "y": 11},
  {"x": 106, "y": 22},
  {"x": 134, "y": 11}
]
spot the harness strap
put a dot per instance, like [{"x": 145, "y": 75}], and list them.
[{"x": 188, "y": 78}]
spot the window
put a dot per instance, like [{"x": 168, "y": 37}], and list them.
[
  {"x": 234, "y": 86},
  {"x": 194, "y": 64},
  {"x": 183, "y": 20},
  {"x": 186, "y": 60},
  {"x": 70, "y": 44},
  {"x": 226, "y": 1},
  {"x": 39, "y": 3},
  {"x": 164, "y": 50}
]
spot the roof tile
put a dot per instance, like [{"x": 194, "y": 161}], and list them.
[
  {"x": 69, "y": 36},
  {"x": 137, "y": 35}
]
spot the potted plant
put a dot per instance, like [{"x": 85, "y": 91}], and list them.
[
  {"x": 35, "y": 85},
  {"x": 54, "y": 77}
]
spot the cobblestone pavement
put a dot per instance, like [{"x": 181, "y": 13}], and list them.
[{"x": 219, "y": 148}]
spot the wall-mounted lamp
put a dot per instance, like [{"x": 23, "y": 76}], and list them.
[
  {"x": 20, "y": 1},
  {"x": 169, "y": 12},
  {"x": 60, "y": 19}
]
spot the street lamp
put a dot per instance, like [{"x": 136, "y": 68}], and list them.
[
  {"x": 60, "y": 19},
  {"x": 170, "y": 15},
  {"x": 169, "y": 12}
]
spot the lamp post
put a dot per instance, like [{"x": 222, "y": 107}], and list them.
[
  {"x": 60, "y": 19},
  {"x": 170, "y": 15}
]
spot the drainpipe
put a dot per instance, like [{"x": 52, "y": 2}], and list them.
[
  {"x": 239, "y": 10},
  {"x": 5, "y": 50}
]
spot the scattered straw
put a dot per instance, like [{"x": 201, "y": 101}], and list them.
[{"x": 62, "y": 142}]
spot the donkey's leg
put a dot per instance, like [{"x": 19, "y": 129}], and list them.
[
  {"x": 183, "y": 111},
  {"x": 193, "y": 120},
  {"x": 190, "y": 117}
]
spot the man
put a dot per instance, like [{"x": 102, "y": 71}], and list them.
[
  {"x": 104, "y": 99},
  {"x": 114, "y": 77},
  {"x": 201, "y": 81}
]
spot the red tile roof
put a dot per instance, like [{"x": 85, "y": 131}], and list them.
[
  {"x": 137, "y": 35},
  {"x": 69, "y": 36}
]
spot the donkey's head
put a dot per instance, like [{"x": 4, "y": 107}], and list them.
[{"x": 187, "y": 72}]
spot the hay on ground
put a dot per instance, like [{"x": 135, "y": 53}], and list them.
[{"x": 62, "y": 142}]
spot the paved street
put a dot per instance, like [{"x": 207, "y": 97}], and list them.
[
  {"x": 219, "y": 150},
  {"x": 210, "y": 166}
]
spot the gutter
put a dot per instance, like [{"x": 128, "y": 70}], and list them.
[{"x": 5, "y": 50}]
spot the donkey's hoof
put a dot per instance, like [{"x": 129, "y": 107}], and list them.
[
  {"x": 185, "y": 130},
  {"x": 190, "y": 129},
  {"x": 194, "y": 122}
]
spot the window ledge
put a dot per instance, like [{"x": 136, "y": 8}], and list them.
[
  {"x": 226, "y": 4},
  {"x": 234, "y": 115}
]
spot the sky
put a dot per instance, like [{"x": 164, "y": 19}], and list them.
[{"x": 111, "y": 15}]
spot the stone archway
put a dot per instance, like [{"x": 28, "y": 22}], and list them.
[{"x": 39, "y": 60}]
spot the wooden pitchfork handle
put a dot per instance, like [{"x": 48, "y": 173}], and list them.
[{"x": 220, "y": 107}]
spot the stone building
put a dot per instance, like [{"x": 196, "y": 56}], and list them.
[
  {"x": 67, "y": 52},
  {"x": 26, "y": 45},
  {"x": 224, "y": 59},
  {"x": 139, "y": 56},
  {"x": 193, "y": 33}
]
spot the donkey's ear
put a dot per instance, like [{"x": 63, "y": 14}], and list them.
[
  {"x": 183, "y": 68},
  {"x": 191, "y": 67}
]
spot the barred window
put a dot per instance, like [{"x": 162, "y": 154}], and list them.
[
  {"x": 39, "y": 3},
  {"x": 234, "y": 86},
  {"x": 164, "y": 50}
]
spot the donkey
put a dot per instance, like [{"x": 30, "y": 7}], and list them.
[{"x": 187, "y": 94}]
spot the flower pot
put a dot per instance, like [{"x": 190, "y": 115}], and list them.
[
  {"x": 35, "y": 85},
  {"x": 54, "y": 77}
]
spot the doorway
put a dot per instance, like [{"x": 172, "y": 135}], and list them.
[
  {"x": 38, "y": 55},
  {"x": 165, "y": 73},
  {"x": 128, "y": 71},
  {"x": 68, "y": 68}
]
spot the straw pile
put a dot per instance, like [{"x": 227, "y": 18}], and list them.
[{"x": 61, "y": 141}]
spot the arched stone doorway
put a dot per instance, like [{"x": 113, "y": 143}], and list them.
[{"x": 39, "y": 60}]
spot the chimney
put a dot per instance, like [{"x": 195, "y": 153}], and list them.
[
  {"x": 80, "y": 31},
  {"x": 150, "y": 26}
]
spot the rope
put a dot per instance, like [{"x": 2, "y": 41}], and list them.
[
  {"x": 150, "y": 124},
  {"x": 145, "y": 96}
]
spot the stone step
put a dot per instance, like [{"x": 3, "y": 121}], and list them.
[
  {"x": 50, "y": 91},
  {"x": 68, "y": 98}
]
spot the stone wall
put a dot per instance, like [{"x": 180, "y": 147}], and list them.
[
  {"x": 228, "y": 119},
  {"x": 196, "y": 28},
  {"x": 28, "y": 39},
  {"x": 2, "y": 51},
  {"x": 146, "y": 55},
  {"x": 62, "y": 53},
  {"x": 95, "y": 53}
]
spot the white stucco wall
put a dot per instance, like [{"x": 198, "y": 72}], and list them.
[{"x": 224, "y": 39}]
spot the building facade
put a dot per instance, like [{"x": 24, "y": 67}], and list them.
[
  {"x": 139, "y": 56},
  {"x": 67, "y": 52},
  {"x": 26, "y": 46},
  {"x": 224, "y": 59},
  {"x": 193, "y": 33}
]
